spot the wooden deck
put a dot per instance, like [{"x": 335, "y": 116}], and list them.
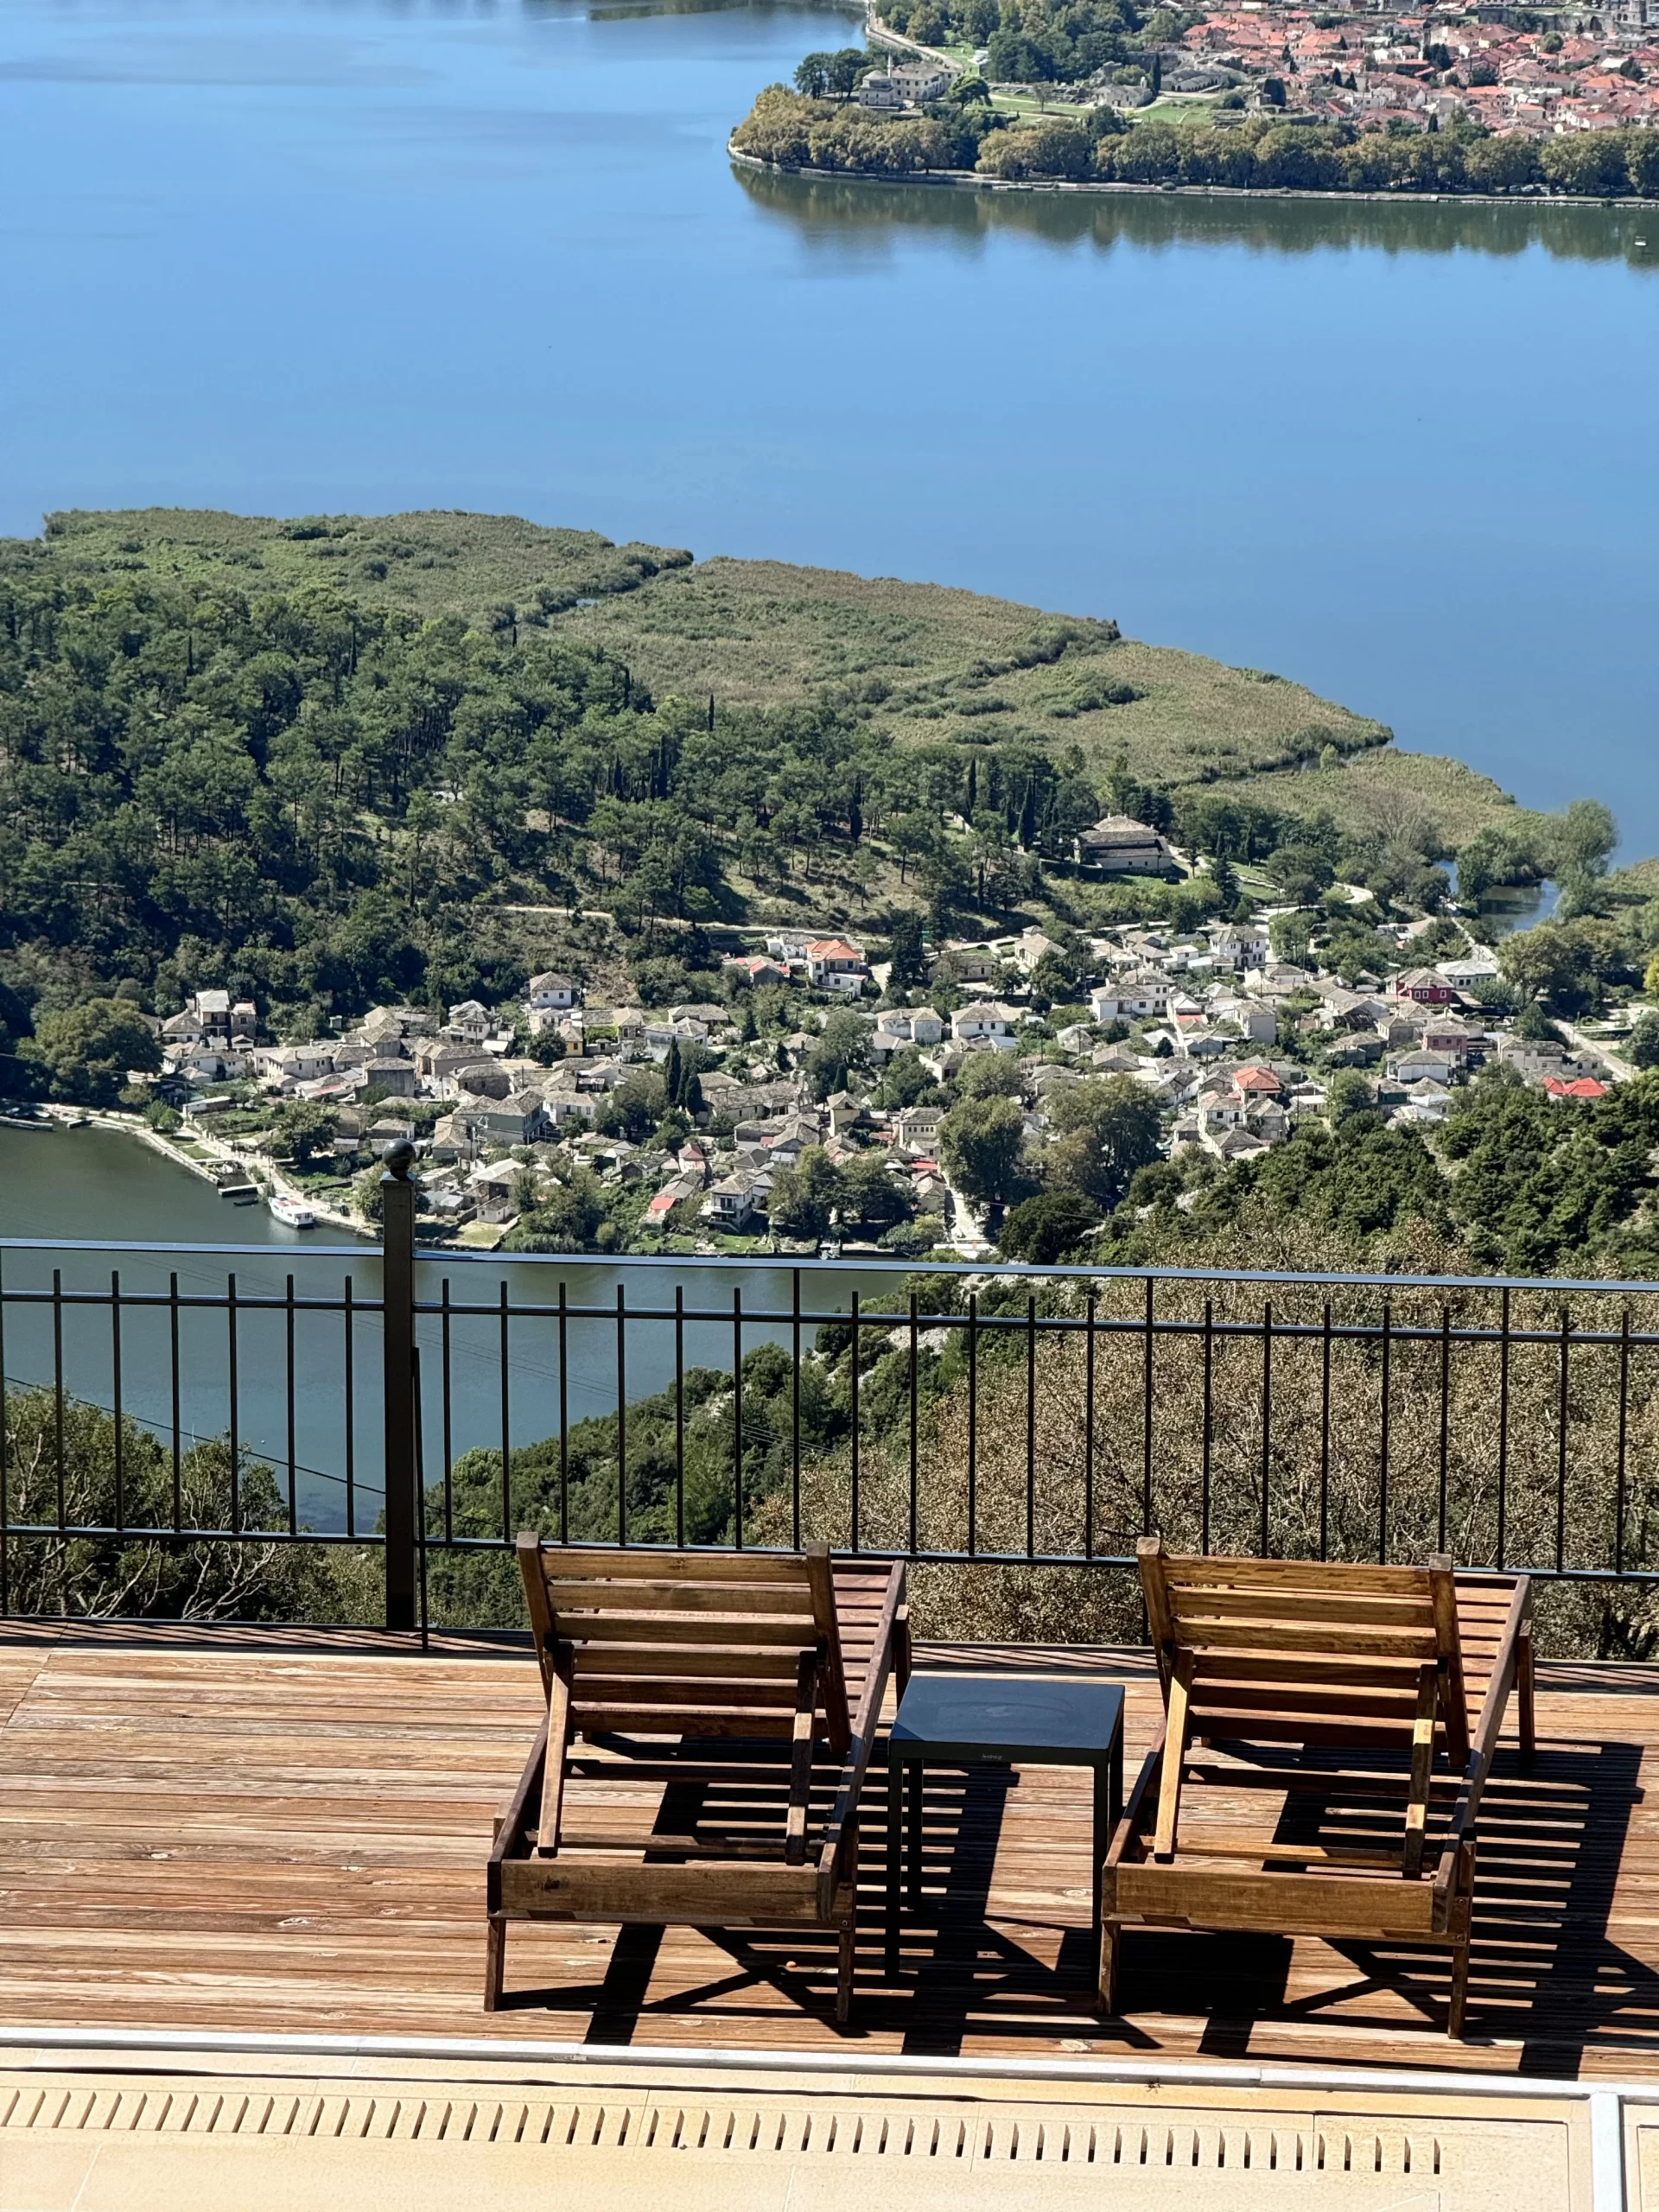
[{"x": 285, "y": 1831}]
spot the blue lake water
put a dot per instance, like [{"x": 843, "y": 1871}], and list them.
[
  {"x": 291, "y": 255},
  {"x": 94, "y": 1187}
]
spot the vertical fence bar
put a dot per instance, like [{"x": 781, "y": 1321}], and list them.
[
  {"x": 679, "y": 1417},
  {"x": 1146, "y": 1418},
  {"x": 854, "y": 1394},
  {"x": 1623, "y": 1430},
  {"x": 1383, "y": 1438},
  {"x": 178, "y": 1422},
  {"x": 399, "y": 1476},
  {"x": 1325, "y": 1434},
  {"x": 1031, "y": 1427},
  {"x": 1561, "y": 1443},
  {"x": 1209, "y": 1422},
  {"x": 5, "y": 1462},
  {"x": 57, "y": 1390},
  {"x": 349, "y": 1368},
  {"x": 795, "y": 1408},
  {"x": 1089, "y": 1429},
  {"x": 419, "y": 1425},
  {"x": 737, "y": 1415},
  {"x": 233, "y": 1381},
  {"x": 446, "y": 1394},
  {"x": 1267, "y": 1420},
  {"x": 622, "y": 1415},
  {"x": 1446, "y": 1424},
  {"x": 972, "y": 1423},
  {"x": 564, "y": 1421},
  {"x": 913, "y": 1421},
  {"x": 293, "y": 1472},
  {"x": 115, "y": 1399},
  {"x": 1503, "y": 1427},
  {"x": 506, "y": 1417}
]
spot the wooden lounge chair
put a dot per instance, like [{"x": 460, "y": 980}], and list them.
[
  {"x": 1373, "y": 1675},
  {"x": 783, "y": 1652}
]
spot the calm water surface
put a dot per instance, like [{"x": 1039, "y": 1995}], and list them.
[
  {"x": 94, "y": 1185},
  {"x": 292, "y": 255}
]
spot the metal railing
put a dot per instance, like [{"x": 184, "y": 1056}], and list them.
[{"x": 972, "y": 1417}]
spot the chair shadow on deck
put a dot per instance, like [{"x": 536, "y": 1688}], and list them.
[{"x": 1547, "y": 1977}]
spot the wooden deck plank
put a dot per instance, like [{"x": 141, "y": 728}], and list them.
[{"x": 290, "y": 1834}]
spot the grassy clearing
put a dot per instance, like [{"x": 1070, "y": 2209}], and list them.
[
  {"x": 1383, "y": 787},
  {"x": 434, "y": 563},
  {"x": 760, "y": 631}
]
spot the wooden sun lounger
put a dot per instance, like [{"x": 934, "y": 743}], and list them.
[
  {"x": 1348, "y": 1691},
  {"x": 653, "y": 1662}
]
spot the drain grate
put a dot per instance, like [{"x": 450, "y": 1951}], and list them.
[
  {"x": 124, "y": 2140},
  {"x": 796, "y": 2131}
]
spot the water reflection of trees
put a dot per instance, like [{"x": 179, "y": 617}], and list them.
[{"x": 1154, "y": 219}]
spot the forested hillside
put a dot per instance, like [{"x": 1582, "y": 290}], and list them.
[{"x": 326, "y": 758}]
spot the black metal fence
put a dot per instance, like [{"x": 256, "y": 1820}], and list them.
[{"x": 427, "y": 1403}]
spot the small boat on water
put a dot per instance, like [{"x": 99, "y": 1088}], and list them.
[{"x": 290, "y": 1212}]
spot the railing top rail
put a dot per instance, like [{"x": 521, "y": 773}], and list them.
[{"x": 861, "y": 1264}]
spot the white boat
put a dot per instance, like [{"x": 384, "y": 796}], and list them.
[{"x": 290, "y": 1212}]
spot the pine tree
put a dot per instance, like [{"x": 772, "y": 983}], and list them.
[
  {"x": 1028, "y": 815},
  {"x": 973, "y": 789},
  {"x": 673, "y": 1082},
  {"x": 855, "y": 813}
]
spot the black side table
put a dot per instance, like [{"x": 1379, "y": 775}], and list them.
[{"x": 967, "y": 1720}]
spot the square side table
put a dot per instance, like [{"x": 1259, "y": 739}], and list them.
[{"x": 967, "y": 1720}]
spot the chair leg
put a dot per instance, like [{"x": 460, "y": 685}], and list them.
[
  {"x": 1111, "y": 1967},
  {"x": 1459, "y": 2004},
  {"x": 846, "y": 1966},
  {"x": 495, "y": 1963},
  {"x": 1525, "y": 1688}
]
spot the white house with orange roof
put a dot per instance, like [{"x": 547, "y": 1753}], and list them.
[{"x": 832, "y": 964}]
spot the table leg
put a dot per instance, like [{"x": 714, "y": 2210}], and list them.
[
  {"x": 917, "y": 1782},
  {"x": 1104, "y": 1824},
  {"x": 895, "y": 1868}
]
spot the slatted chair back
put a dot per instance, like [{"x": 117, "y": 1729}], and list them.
[
  {"x": 1306, "y": 1652},
  {"x": 692, "y": 1643}
]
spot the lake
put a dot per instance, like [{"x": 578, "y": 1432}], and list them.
[
  {"x": 286, "y": 256},
  {"x": 74, "y": 1185}
]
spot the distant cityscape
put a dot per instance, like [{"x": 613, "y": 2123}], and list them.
[{"x": 1508, "y": 68}]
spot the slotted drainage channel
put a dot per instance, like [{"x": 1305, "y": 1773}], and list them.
[{"x": 106, "y": 2144}]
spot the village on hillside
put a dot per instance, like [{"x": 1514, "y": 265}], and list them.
[{"x": 800, "y": 1103}]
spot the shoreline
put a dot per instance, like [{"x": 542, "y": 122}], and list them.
[
  {"x": 120, "y": 1124},
  {"x": 973, "y": 181}
]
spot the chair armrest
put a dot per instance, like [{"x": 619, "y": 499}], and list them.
[
  {"x": 843, "y": 1813},
  {"x": 1483, "y": 1748},
  {"x": 511, "y": 1823},
  {"x": 1138, "y": 1799}
]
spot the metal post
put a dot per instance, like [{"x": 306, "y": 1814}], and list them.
[{"x": 397, "y": 1374}]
